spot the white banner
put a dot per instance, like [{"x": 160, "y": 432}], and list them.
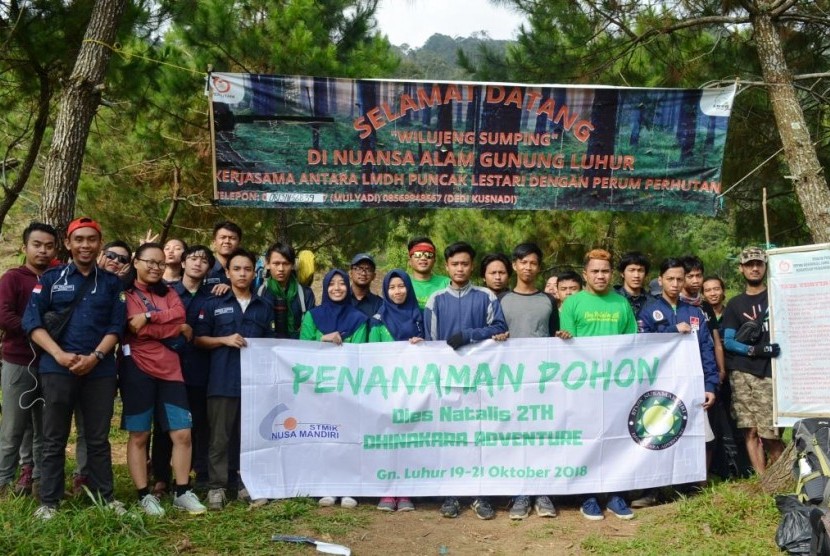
[
  {"x": 534, "y": 416},
  {"x": 799, "y": 297}
]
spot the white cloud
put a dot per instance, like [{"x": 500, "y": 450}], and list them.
[{"x": 414, "y": 21}]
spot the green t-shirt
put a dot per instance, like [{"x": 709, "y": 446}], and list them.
[
  {"x": 588, "y": 314},
  {"x": 425, "y": 288},
  {"x": 309, "y": 331},
  {"x": 379, "y": 333}
]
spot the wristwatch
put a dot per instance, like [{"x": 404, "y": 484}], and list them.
[{"x": 99, "y": 355}]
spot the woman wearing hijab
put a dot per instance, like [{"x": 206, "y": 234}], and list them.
[
  {"x": 335, "y": 321},
  {"x": 398, "y": 320}
]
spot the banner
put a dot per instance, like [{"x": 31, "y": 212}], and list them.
[
  {"x": 529, "y": 416},
  {"x": 292, "y": 141},
  {"x": 799, "y": 297}
]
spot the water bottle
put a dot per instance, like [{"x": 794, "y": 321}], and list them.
[{"x": 813, "y": 488}]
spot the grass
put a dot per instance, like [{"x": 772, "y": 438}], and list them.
[{"x": 726, "y": 518}]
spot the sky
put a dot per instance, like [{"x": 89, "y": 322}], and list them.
[{"x": 414, "y": 21}]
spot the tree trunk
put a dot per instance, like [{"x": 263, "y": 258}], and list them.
[
  {"x": 778, "y": 478},
  {"x": 11, "y": 194},
  {"x": 78, "y": 104},
  {"x": 808, "y": 180}
]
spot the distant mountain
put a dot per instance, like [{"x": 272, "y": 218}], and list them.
[{"x": 438, "y": 58}]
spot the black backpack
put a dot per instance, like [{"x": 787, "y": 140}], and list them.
[{"x": 812, "y": 460}]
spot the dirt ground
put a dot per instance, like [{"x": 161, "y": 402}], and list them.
[{"x": 424, "y": 532}]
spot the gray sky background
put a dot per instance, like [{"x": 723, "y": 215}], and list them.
[{"x": 414, "y": 21}]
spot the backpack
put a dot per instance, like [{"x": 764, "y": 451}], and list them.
[{"x": 812, "y": 462}]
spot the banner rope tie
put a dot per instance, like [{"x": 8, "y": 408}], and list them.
[{"x": 126, "y": 55}]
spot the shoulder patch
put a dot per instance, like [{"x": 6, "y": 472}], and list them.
[
  {"x": 122, "y": 297},
  {"x": 695, "y": 323},
  {"x": 657, "y": 315}
]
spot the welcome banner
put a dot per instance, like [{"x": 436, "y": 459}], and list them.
[
  {"x": 799, "y": 294},
  {"x": 530, "y": 416},
  {"x": 292, "y": 141}
]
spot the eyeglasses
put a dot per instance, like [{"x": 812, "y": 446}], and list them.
[
  {"x": 423, "y": 255},
  {"x": 363, "y": 269},
  {"x": 123, "y": 259},
  {"x": 161, "y": 265}
]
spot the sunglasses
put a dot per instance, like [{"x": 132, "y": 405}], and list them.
[
  {"x": 123, "y": 259},
  {"x": 423, "y": 255}
]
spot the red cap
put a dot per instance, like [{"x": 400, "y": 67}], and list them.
[{"x": 83, "y": 222}]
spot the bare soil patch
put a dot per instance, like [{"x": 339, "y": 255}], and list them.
[{"x": 424, "y": 531}]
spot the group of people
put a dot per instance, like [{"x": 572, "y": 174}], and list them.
[{"x": 165, "y": 325}]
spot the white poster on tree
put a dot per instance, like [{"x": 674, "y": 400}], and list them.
[{"x": 799, "y": 295}]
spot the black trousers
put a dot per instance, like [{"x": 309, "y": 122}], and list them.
[{"x": 94, "y": 396}]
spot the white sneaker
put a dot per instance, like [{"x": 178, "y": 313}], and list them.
[
  {"x": 327, "y": 501},
  {"x": 243, "y": 496},
  {"x": 216, "y": 499},
  {"x": 348, "y": 502},
  {"x": 151, "y": 505},
  {"x": 189, "y": 503},
  {"x": 117, "y": 508},
  {"x": 45, "y": 513}
]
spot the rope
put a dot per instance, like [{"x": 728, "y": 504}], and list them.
[{"x": 118, "y": 50}]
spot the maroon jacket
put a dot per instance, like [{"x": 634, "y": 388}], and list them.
[{"x": 15, "y": 289}]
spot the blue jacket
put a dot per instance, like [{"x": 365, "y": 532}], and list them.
[
  {"x": 102, "y": 311},
  {"x": 474, "y": 311},
  {"x": 658, "y": 316},
  {"x": 216, "y": 275},
  {"x": 195, "y": 361},
  {"x": 222, "y": 316}
]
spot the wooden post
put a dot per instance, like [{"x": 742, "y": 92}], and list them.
[
  {"x": 171, "y": 212},
  {"x": 766, "y": 220}
]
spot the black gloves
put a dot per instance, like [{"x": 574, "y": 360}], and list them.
[
  {"x": 767, "y": 351},
  {"x": 456, "y": 340}
]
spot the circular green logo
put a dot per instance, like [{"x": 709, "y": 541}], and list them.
[{"x": 657, "y": 420}]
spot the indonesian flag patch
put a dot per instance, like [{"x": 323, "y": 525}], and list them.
[
  {"x": 695, "y": 322},
  {"x": 37, "y": 288}
]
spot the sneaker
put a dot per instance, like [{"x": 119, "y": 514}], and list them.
[
  {"x": 521, "y": 507},
  {"x": 388, "y": 504},
  {"x": 24, "y": 482},
  {"x": 189, "y": 503},
  {"x": 590, "y": 510},
  {"x": 405, "y": 505},
  {"x": 118, "y": 508},
  {"x": 619, "y": 508},
  {"x": 544, "y": 507},
  {"x": 45, "y": 513},
  {"x": 450, "y": 507},
  {"x": 78, "y": 484},
  {"x": 150, "y": 505},
  {"x": 258, "y": 502},
  {"x": 216, "y": 499},
  {"x": 348, "y": 502},
  {"x": 243, "y": 496},
  {"x": 483, "y": 509},
  {"x": 646, "y": 501},
  {"x": 327, "y": 501}
]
